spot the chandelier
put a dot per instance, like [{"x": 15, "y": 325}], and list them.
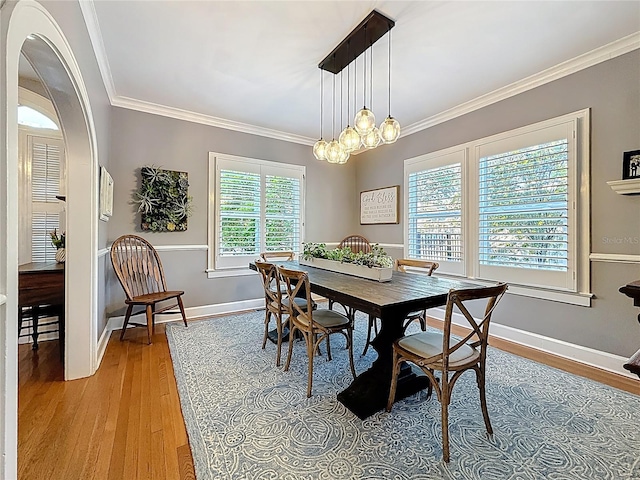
[{"x": 364, "y": 134}]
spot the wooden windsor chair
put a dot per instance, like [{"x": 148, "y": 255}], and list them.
[{"x": 139, "y": 269}]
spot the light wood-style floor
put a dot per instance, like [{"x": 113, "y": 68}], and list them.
[{"x": 125, "y": 422}]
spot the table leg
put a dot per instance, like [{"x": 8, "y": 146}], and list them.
[
  {"x": 35, "y": 313},
  {"x": 61, "y": 332},
  {"x": 369, "y": 392}
]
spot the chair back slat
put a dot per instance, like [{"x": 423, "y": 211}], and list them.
[
  {"x": 137, "y": 265},
  {"x": 277, "y": 256},
  {"x": 270, "y": 282},
  {"x": 479, "y": 329},
  {"x": 295, "y": 280},
  {"x": 357, "y": 244},
  {"x": 423, "y": 266}
]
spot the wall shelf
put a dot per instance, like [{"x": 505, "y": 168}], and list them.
[{"x": 626, "y": 187}]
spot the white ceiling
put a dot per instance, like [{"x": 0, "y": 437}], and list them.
[{"x": 256, "y": 62}]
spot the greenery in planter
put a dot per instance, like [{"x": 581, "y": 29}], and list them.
[
  {"x": 377, "y": 257},
  {"x": 163, "y": 200}
]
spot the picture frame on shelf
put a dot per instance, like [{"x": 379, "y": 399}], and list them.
[{"x": 631, "y": 165}]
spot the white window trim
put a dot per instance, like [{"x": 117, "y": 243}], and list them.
[
  {"x": 579, "y": 182},
  {"x": 212, "y": 220}
]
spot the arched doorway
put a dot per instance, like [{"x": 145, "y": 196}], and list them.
[{"x": 33, "y": 32}]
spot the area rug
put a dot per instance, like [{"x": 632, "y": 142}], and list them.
[{"x": 248, "y": 419}]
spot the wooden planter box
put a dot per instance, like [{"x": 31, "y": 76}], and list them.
[{"x": 372, "y": 273}]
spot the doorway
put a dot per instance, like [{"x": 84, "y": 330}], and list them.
[{"x": 33, "y": 32}]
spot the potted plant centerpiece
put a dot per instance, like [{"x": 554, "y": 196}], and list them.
[{"x": 375, "y": 265}]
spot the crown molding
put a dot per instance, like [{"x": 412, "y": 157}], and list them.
[
  {"x": 88, "y": 9},
  {"x": 589, "y": 59},
  {"x": 180, "y": 114}
]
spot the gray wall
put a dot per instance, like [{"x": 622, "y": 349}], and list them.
[
  {"x": 140, "y": 139},
  {"x": 612, "y": 91}
]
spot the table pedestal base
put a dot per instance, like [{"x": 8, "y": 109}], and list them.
[{"x": 367, "y": 394}]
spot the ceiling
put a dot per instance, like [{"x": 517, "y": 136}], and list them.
[{"x": 255, "y": 63}]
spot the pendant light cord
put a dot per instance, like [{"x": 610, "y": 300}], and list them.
[
  {"x": 389, "y": 55},
  {"x": 341, "y": 101},
  {"x": 364, "y": 74},
  {"x": 333, "y": 107},
  {"x": 371, "y": 76},
  {"x": 321, "y": 101},
  {"x": 348, "y": 83}
]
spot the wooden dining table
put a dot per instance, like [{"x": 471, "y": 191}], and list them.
[{"x": 390, "y": 302}]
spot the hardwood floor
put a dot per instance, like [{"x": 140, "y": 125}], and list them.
[{"x": 125, "y": 422}]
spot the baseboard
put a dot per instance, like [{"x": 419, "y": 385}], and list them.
[
  {"x": 576, "y": 353},
  {"x": 193, "y": 313}
]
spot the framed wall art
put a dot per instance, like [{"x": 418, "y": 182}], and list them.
[
  {"x": 163, "y": 200},
  {"x": 379, "y": 206},
  {"x": 106, "y": 195},
  {"x": 631, "y": 164}
]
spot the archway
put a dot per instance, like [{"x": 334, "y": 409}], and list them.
[{"x": 32, "y": 31}]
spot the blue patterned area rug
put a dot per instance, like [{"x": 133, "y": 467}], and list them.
[{"x": 248, "y": 419}]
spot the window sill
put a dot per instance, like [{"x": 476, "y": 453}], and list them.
[
  {"x": 572, "y": 298},
  {"x": 232, "y": 272}
]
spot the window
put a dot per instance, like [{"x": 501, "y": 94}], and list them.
[
  {"x": 30, "y": 117},
  {"x": 257, "y": 206},
  {"x": 435, "y": 211},
  {"x": 519, "y": 216}
]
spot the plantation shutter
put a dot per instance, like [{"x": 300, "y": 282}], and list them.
[
  {"x": 524, "y": 214},
  {"x": 434, "y": 210},
  {"x": 258, "y": 208},
  {"x": 282, "y": 213},
  {"x": 46, "y": 163},
  {"x": 239, "y": 200}
]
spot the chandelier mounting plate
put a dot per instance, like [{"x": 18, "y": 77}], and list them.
[{"x": 374, "y": 26}]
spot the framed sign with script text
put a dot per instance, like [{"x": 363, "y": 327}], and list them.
[{"x": 379, "y": 206}]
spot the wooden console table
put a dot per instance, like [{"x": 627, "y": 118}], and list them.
[
  {"x": 41, "y": 284},
  {"x": 632, "y": 290}
]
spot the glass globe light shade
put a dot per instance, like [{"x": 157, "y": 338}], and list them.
[
  {"x": 350, "y": 139},
  {"x": 344, "y": 157},
  {"x": 372, "y": 139},
  {"x": 365, "y": 121},
  {"x": 320, "y": 150},
  {"x": 334, "y": 151},
  {"x": 389, "y": 130}
]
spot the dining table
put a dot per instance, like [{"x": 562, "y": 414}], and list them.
[{"x": 389, "y": 301}]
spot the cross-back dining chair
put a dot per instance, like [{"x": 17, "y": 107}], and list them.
[
  {"x": 422, "y": 267},
  {"x": 139, "y": 269},
  {"x": 441, "y": 351},
  {"x": 276, "y": 304},
  {"x": 315, "y": 326},
  {"x": 280, "y": 256}
]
